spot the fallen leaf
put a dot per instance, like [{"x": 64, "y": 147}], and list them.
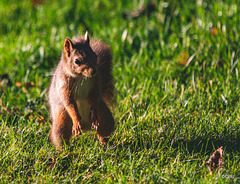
[
  {"x": 215, "y": 161},
  {"x": 18, "y": 84},
  {"x": 213, "y": 31}
]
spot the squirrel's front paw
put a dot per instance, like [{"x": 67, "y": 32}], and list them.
[{"x": 76, "y": 129}]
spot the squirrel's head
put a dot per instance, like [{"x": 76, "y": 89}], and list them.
[{"x": 79, "y": 58}]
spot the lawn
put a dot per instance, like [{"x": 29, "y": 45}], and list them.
[{"x": 176, "y": 69}]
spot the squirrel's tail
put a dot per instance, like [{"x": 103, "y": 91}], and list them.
[{"x": 104, "y": 60}]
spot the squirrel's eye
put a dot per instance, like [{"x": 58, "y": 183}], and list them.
[{"x": 77, "y": 62}]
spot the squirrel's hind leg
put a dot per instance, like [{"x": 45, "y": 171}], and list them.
[
  {"x": 106, "y": 123},
  {"x": 61, "y": 130}
]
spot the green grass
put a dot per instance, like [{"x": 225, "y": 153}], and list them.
[{"x": 177, "y": 91}]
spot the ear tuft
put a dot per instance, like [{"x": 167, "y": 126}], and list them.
[
  {"x": 86, "y": 37},
  {"x": 68, "y": 47}
]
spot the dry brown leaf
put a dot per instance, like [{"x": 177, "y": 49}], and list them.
[
  {"x": 215, "y": 161},
  {"x": 18, "y": 84},
  {"x": 214, "y": 31}
]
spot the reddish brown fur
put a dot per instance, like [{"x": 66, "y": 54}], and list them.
[{"x": 77, "y": 95}]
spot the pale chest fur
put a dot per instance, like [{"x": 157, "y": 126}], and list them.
[{"x": 81, "y": 92}]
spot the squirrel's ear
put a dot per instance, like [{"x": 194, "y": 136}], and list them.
[
  {"x": 68, "y": 47},
  {"x": 86, "y": 37}
]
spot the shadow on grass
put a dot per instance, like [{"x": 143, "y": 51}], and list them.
[
  {"x": 171, "y": 138},
  {"x": 230, "y": 143}
]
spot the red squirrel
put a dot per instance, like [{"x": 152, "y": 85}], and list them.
[{"x": 80, "y": 90}]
